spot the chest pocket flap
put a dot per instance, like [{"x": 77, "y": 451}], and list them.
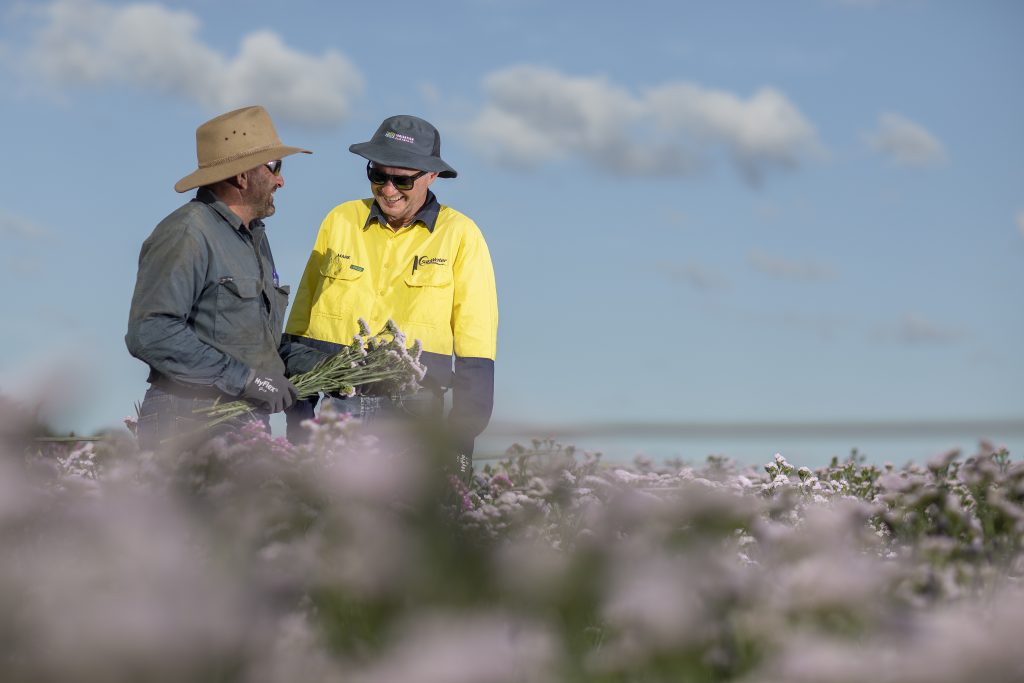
[
  {"x": 430, "y": 277},
  {"x": 339, "y": 266},
  {"x": 242, "y": 287},
  {"x": 240, "y": 312}
]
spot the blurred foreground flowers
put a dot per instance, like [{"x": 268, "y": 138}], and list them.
[{"x": 352, "y": 559}]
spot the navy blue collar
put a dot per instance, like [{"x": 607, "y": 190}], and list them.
[{"x": 427, "y": 214}]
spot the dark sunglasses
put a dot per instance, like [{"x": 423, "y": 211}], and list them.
[
  {"x": 275, "y": 166},
  {"x": 401, "y": 182}
]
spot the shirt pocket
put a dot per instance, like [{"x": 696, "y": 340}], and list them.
[
  {"x": 337, "y": 266},
  {"x": 339, "y": 290},
  {"x": 239, "y": 319},
  {"x": 429, "y": 293}
]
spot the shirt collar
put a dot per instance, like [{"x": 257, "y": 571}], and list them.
[
  {"x": 210, "y": 198},
  {"x": 427, "y": 214}
]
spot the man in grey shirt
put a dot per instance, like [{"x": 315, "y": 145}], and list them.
[{"x": 208, "y": 308}]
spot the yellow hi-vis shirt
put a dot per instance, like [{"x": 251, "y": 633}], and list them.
[{"x": 436, "y": 282}]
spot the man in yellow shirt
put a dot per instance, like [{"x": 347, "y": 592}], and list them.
[{"x": 401, "y": 254}]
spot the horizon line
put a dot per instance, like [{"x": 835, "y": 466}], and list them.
[{"x": 983, "y": 428}]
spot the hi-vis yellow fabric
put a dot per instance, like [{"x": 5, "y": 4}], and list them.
[{"x": 437, "y": 285}]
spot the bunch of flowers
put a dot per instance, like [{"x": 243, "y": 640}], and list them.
[{"x": 373, "y": 365}]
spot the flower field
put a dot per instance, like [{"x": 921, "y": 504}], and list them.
[{"x": 356, "y": 558}]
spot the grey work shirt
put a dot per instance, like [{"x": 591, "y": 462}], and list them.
[{"x": 208, "y": 306}]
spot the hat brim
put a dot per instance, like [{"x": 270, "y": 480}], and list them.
[
  {"x": 387, "y": 155},
  {"x": 227, "y": 169}
]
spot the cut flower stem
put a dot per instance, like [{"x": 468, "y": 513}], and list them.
[{"x": 373, "y": 365}]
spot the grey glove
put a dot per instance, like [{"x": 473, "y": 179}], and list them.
[
  {"x": 270, "y": 391},
  {"x": 463, "y": 467}
]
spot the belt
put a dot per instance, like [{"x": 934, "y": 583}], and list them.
[
  {"x": 420, "y": 404},
  {"x": 187, "y": 390}
]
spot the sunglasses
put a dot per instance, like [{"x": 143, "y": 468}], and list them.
[
  {"x": 401, "y": 182},
  {"x": 275, "y": 166}
]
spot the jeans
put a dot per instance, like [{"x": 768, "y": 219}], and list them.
[
  {"x": 164, "y": 416},
  {"x": 424, "y": 409},
  {"x": 422, "y": 406}
]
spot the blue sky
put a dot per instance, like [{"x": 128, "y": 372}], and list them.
[{"x": 737, "y": 211}]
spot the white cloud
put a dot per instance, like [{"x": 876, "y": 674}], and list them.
[
  {"x": 535, "y": 115},
  {"x": 788, "y": 269},
  {"x": 906, "y": 143},
  {"x": 695, "y": 275},
  {"x": 17, "y": 226},
  {"x": 25, "y": 267},
  {"x": 820, "y": 325},
  {"x": 430, "y": 93},
  {"x": 89, "y": 43},
  {"x": 914, "y": 328},
  {"x": 1020, "y": 222}
]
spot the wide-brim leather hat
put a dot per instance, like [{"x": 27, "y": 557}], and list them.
[
  {"x": 406, "y": 142},
  {"x": 233, "y": 143}
]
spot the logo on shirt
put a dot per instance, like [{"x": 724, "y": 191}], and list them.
[{"x": 418, "y": 261}]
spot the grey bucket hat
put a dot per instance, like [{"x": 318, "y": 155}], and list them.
[{"x": 407, "y": 142}]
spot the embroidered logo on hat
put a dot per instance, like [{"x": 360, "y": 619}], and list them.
[
  {"x": 406, "y": 141},
  {"x": 398, "y": 136}
]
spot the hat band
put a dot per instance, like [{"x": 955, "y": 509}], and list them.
[{"x": 239, "y": 155}]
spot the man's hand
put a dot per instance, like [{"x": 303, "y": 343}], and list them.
[{"x": 271, "y": 392}]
